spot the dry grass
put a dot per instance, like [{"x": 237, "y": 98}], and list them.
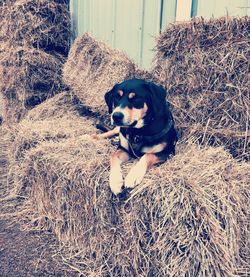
[
  {"x": 188, "y": 218},
  {"x": 204, "y": 66},
  {"x": 64, "y": 103},
  {"x": 93, "y": 68},
  {"x": 56, "y": 119},
  {"x": 42, "y": 24},
  {"x": 29, "y": 76},
  {"x": 30, "y": 133}
]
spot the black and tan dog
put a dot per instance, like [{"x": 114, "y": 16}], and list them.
[{"x": 145, "y": 126}]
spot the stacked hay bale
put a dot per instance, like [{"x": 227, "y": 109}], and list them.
[
  {"x": 93, "y": 68},
  {"x": 204, "y": 66},
  {"x": 189, "y": 217},
  {"x": 55, "y": 119},
  {"x": 62, "y": 104},
  {"x": 34, "y": 39},
  {"x": 29, "y": 76},
  {"x": 41, "y": 24}
]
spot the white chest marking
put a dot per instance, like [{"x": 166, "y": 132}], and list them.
[
  {"x": 123, "y": 141},
  {"x": 155, "y": 148}
]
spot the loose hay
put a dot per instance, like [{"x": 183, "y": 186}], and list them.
[
  {"x": 41, "y": 24},
  {"x": 93, "y": 68},
  {"x": 188, "y": 218},
  {"x": 29, "y": 76},
  {"x": 204, "y": 66}
]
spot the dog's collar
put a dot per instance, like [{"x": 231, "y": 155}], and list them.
[{"x": 136, "y": 136}]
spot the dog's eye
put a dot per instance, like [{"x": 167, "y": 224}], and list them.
[{"x": 137, "y": 102}]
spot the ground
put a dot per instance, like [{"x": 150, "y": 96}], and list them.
[{"x": 24, "y": 253}]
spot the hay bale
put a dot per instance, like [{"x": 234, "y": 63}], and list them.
[
  {"x": 63, "y": 104},
  {"x": 41, "y": 24},
  {"x": 3, "y": 3},
  {"x": 93, "y": 68},
  {"x": 197, "y": 208},
  {"x": 56, "y": 119},
  {"x": 58, "y": 106},
  {"x": 30, "y": 133},
  {"x": 76, "y": 158},
  {"x": 29, "y": 76},
  {"x": 204, "y": 66},
  {"x": 188, "y": 218}
]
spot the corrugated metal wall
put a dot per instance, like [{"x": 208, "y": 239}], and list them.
[
  {"x": 129, "y": 25},
  {"x": 217, "y": 8},
  {"x": 132, "y": 25}
]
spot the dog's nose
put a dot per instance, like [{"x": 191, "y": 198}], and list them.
[{"x": 118, "y": 117}]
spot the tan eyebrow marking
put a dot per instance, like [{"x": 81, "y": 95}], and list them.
[
  {"x": 131, "y": 95},
  {"x": 120, "y": 92}
]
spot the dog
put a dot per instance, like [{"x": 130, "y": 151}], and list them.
[{"x": 146, "y": 130}]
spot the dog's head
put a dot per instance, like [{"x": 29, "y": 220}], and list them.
[{"x": 132, "y": 102}]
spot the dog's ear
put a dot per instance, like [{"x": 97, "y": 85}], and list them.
[
  {"x": 109, "y": 99},
  {"x": 157, "y": 97}
]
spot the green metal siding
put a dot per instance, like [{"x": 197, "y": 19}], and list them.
[
  {"x": 128, "y": 25},
  {"x": 217, "y": 8},
  {"x": 132, "y": 25}
]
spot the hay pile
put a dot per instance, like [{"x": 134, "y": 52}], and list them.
[
  {"x": 63, "y": 104},
  {"x": 41, "y": 24},
  {"x": 93, "y": 68},
  {"x": 33, "y": 131},
  {"x": 28, "y": 77},
  {"x": 56, "y": 119},
  {"x": 29, "y": 74},
  {"x": 204, "y": 66},
  {"x": 189, "y": 216}
]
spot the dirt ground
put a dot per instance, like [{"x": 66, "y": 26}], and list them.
[{"x": 24, "y": 253}]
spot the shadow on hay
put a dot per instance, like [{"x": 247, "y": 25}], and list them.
[{"x": 29, "y": 76}]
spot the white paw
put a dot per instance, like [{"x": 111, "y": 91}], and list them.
[
  {"x": 116, "y": 181},
  {"x": 135, "y": 175}
]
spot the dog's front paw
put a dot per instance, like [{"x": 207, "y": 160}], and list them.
[
  {"x": 135, "y": 176},
  {"x": 116, "y": 181}
]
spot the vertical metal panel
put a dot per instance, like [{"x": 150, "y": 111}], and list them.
[
  {"x": 183, "y": 10},
  {"x": 151, "y": 28},
  {"x": 74, "y": 17},
  {"x": 132, "y": 25},
  {"x": 194, "y": 8},
  {"x": 128, "y": 27},
  {"x": 239, "y": 7},
  {"x": 101, "y": 19},
  {"x": 95, "y": 17},
  {"x": 215, "y": 8},
  {"x": 82, "y": 20},
  {"x": 168, "y": 12}
]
